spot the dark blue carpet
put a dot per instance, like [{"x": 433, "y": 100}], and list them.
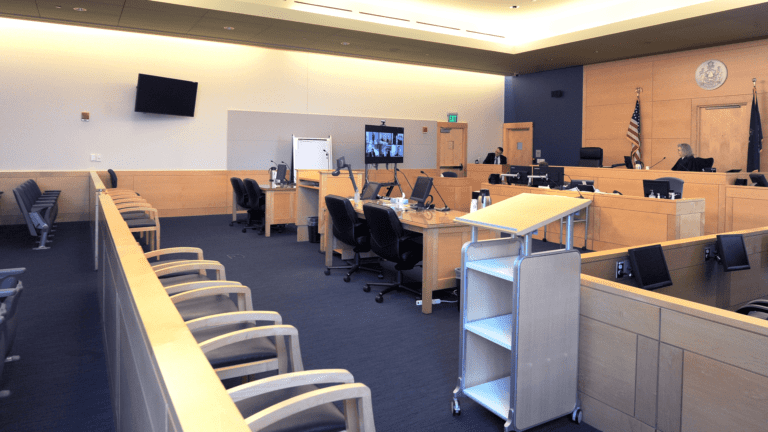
[{"x": 60, "y": 383}]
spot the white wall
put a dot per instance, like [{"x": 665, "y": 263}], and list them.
[{"x": 50, "y": 73}]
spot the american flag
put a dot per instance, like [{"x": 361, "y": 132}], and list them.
[{"x": 633, "y": 134}]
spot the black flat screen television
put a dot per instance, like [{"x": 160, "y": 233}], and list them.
[
  {"x": 383, "y": 144},
  {"x": 649, "y": 267},
  {"x": 158, "y": 95},
  {"x": 731, "y": 252},
  {"x": 656, "y": 188},
  {"x": 421, "y": 191}
]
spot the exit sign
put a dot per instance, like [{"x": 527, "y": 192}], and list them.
[{"x": 453, "y": 117}]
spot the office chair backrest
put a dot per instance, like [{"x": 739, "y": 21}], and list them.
[
  {"x": 449, "y": 174},
  {"x": 112, "y": 177},
  {"x": 386, "y": 231},
  {"x": 253, "y": 190},
  {"x": 675, "y": 184},
  {"x": 591, "y": 157},
  {"x": 346, "y": 226},
  {"x": 240, "y": 195},
  {"x": 703, "y": 164}
]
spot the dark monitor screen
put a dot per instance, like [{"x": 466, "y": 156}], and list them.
[
  {"x": 280, "y": 176},
  {"x": 521, "y": 172},
  {"x": 383, "y": 144},
  {"x": 370, "y": 191},
  {"x": 421, "y": 190},
  {"x": 583, "y": 185},
  {"x": 554, "y": 176},
  {"x": 158, "y": 95},
  {"x": 649, "y": 267},
  {"x": 656, "y": 188},
  {"x": 758, "y": 180},
  {"x": 731, "y": 252},
  {"x": 628, "y": 162}
]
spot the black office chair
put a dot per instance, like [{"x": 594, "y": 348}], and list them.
[
  {"x": 350, "y": 230},
  {"x": 675, "y": 184},
  {"x": 757, "y": 309},
  {"x": 256, "y": 205},
  {"x": 112, "y": 177},
  {"x": 591, "y": 157},
  {"x": 449, "y": 174},
  {"x": 391, "y": 242},
  {"x": 241, "y": 197},
  {"x": 703, "y": 164}
]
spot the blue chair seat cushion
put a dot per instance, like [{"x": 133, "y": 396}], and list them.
[
  {"x": 140, "y": 223},
  {"x": 205, "y": 306},
  {"x": 323, "y": 418},
  {"x": 242, "y": 352}
]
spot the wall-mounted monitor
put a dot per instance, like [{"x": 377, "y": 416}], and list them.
[
  {"x": 383, "y": 144},
  {"x": 649, "y": 267},
  {"x": 731, "y": 252},
  {"x": 158, "y": 95}
]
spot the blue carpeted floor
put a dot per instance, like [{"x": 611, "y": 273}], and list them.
[{"x": 409, "y": 360}]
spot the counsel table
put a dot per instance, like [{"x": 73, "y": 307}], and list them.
[
  {"x": 280, "y": 205},
  {"x": 443, "y": 239}
]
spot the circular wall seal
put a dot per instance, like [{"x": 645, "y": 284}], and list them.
[{"x": 711, "y": 74}]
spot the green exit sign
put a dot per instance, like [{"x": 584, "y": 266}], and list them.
[{"x": 453, "y": 117}]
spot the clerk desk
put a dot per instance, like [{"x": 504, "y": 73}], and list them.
[
  {"x": 443, "y": 239},
  {"x": 280, "y": 205}
]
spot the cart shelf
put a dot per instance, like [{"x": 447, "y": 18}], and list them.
[
  {"x": 493, "y": 395},
  {"x": 497, "y": 330}
]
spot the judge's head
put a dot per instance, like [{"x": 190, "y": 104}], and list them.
[{"x": 684, "y": 150}]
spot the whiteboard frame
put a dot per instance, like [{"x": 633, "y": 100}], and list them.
[{"x": 328, "y": 146}]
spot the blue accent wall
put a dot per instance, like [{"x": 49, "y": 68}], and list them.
[{"x": 556, "y": 121}]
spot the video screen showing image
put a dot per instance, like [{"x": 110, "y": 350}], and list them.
[{"x": 383, "y": 144}]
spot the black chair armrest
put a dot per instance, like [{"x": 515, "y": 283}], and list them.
[
  {"x": 41, "y": 206},
  {"x": 4, "y": 273}
]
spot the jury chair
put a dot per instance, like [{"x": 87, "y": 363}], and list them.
[
  {"x": 675, "y": 184},
  {"x": 256, "y": 205},
  {"x": 348, "y": 228},
  {"x": 294, "y": 402},
  {"x": 591, "y": 157},
  {"x": 755, "y": 308},
  {"x": 148, "y": 224},
  {"x": 391, "y": 242}
]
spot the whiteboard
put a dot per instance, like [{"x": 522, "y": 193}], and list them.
[{"x": 312, "y": 153}]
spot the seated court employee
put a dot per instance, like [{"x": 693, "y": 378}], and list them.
[
  {"x": 496, "y": 158},
  {"x": 686, "y": 161}
]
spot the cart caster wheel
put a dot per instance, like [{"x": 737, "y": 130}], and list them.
[
  {"x": 346, "y": 278},
  {"x": 455, "y": 408},
  {"x": 576, "y": 415},
  {"x": 379, "y": 298},
  {"x": 380, "y": 276},
  {"x": 367, "y": 288},
  {"x": 327, "y": 272}
]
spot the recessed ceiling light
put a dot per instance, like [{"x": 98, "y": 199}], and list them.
[
  {"x": 229, "y": 28},
  {"x": 513, "y": 7},
  {"x": 345, "y": 43},
  {"x": 57, "y": 7},
  {"x": 79, "y": 9}
]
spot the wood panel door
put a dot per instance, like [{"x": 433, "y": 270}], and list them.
[
  {"x": 518, "y": 143},
  {"x": 724, "y": 134},
  {"x": 452, "y": 147}
]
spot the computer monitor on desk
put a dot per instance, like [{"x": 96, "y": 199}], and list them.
[
  {"x": 421, "y": 191},
  {"x": 280, "y": 176},
  {"x": 758, "y": 180},
  {"x": 731, "y": 252},
  {"x": 550, "y": 176},
  {"x": 656, "y": 188},
  {"x": 518, "y": 175},
  {"x": 649, "y": 267}
]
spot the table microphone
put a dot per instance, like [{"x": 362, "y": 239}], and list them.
[
  {"x": 662, "y": 160},
  {"x": 446, "y": 208},
  {"x": 577, "y": 189}
]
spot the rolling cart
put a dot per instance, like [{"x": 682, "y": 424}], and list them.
[{"x": 520, "y": 314}]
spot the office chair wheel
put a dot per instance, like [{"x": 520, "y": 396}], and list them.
[
  {"x": 380, "y": 275},
  {"x": 346, "y": 278},
  {"x": 455, "y": 408},
  {"x": 327, "y": 271},
  {"x": 577, "y": 415},
  {"x": 379, "y": 298},
  {"x": 367, "y": 288}
]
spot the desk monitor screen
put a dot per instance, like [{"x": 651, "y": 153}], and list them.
[
  {"x": 656, "y": 188},
  {"x": 758, "y": 180},
  {"x": 370, "y": 191},
  {"x": 583, "y": 185},
  {"x": 554, "y": 176},
  {"x": 280, "y": 176},
  {"x": 383, "y": 144},
  {"x": 421, "y": 190},
  {"x": 522, "y": 174},
  {"x": 649, "y": 267},
  {"x": 628, "y": 162},
  {"x": 731, "y": 252}
]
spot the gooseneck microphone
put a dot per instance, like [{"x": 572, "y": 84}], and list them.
[
  {"x": 577, "y": 189},
  {"x": 444, "y": 209},
  {"x": 662, "y": 160}
]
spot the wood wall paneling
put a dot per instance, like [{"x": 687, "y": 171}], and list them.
[
  {"x": 647, "y": 380},
  {"x": 672, "y": 119},
  {"x": 620, "y": 312},
  {"x": 615, "y": 83},
  {"x": 607, "y": 419},
  {"x": 670, "y": 388}
]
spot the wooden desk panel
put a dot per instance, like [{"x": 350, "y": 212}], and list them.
[
  {"x": 746, "y": 207},
  {"x": 280, "y": 207},
  {"x": 620, "y": 221},
  {"x": 310, "y": 199},
  {"x": 478, "y": 173}
]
